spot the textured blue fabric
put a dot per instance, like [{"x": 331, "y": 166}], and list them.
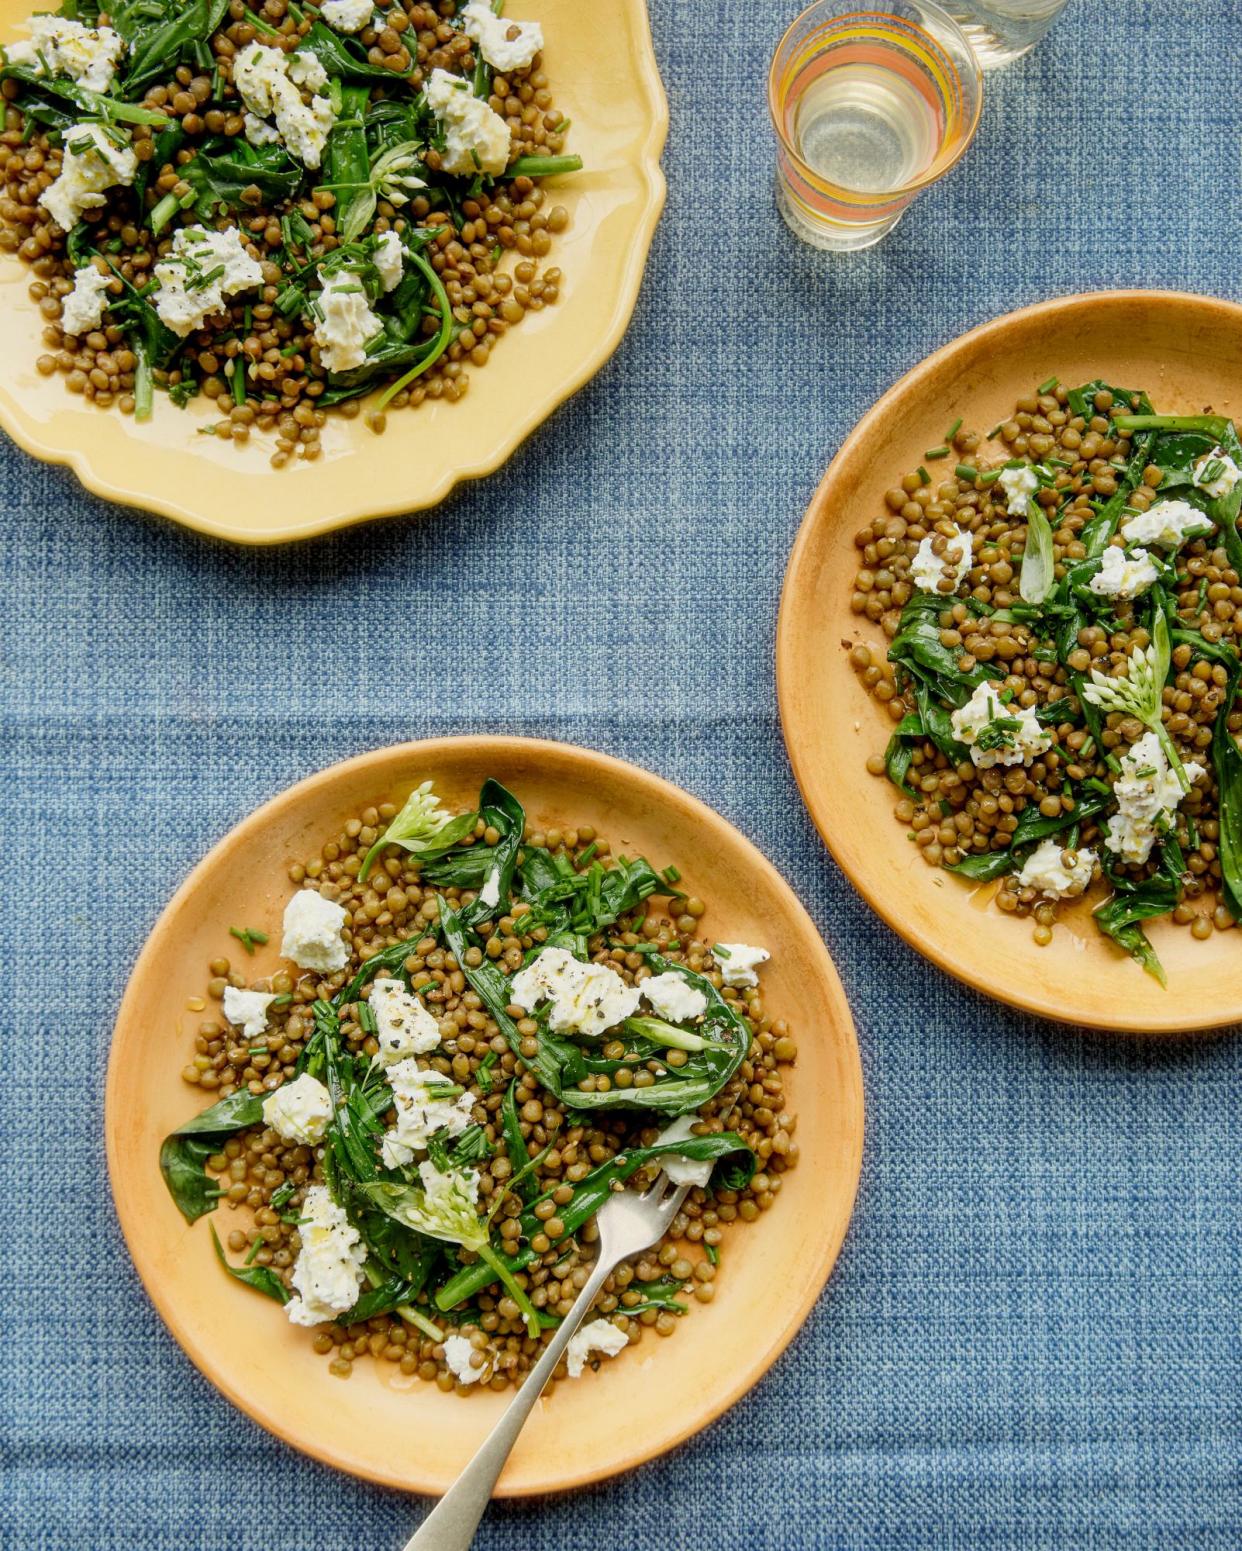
[{"x": 1032, "y": 1337}]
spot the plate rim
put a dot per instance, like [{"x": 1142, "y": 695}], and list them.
[
  {"x": 127, "y": 1205},
  {"x": 1169, "y": 1022},
  {"x": 647, "y": 162}
]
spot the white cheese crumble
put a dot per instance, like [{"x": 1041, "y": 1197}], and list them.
[
  {"x": 586, "y": 998},
  {"x": 403, "y": 1025},
  {"x": 264, "y": 80},
  {"x": 299, "y": 1110},
  {"x": 458, "y": 1353},
  {"x": 305, "y": 70},
  {"x": 1057, "y": 873},
  {"x": 1223, "y": 478},
  {"x": 673, "y": 998},
  {"x": 312, "y": 935},
  {"x": 602, "y": 1336},
  {"x": 475, "y": 138},
  {"x": 347, "y": 15},
  {"x": 929, "y": 569},
  {"x": 681, "y": 1170},
  {"x": 738, "y": 968},
  {"x": 348, "y": 324},
  {"x": 248, "y": 1009},
  {"x": 426, "y": 1102},
  {"x": 389, "y": 261},
  {"x": 190, "y": 289},
  {"x": 504, "y": 44},
  {"x": 88, "y": 55},
  {"x": 996, "y": 733},
  {"x": 1123, "y": 576},
  {"x": 259, "y": 131},
  {"x": 1019, "y": 486},
  {"x": 1147, "y": 794},
  {"x": 92, "y": 162},
  {"x": 83, "y": 309},
  {"x": 1168, "y": 523},
  {"x": 328, "y": 1274}
]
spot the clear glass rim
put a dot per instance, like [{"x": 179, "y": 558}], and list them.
[{"x": 933, "y": 174}]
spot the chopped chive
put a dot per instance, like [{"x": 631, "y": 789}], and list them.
[
  {"x": 933, "y": 453},
  {"x": 1047, "y": 387},
  {"x": 721, "y": 952},
  {"x": 953, "y": 429},
  {"x": 964, "y": 471},
  {"x": 713, "y": 1254},
  {"x": 671, "y": 875},
  {"x": 924, "y": 476},
  {"x": 994, "y": 431},
  {"x": 248, "y": 936},
  {"x": 366, "y": 1018},
  {"x": 588, "y": 853},
  {"x": 237, "y": 379}
]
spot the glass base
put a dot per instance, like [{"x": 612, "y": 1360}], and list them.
[
  {"x": 831, "y": 236},
  {"x": 994, "y": 53}
]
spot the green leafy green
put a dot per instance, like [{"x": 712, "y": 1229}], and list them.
[
  {"x": 185, "y": 1151},
  {"x": 262, "y": 1278},
  {"x": 1131, "y": 903}
]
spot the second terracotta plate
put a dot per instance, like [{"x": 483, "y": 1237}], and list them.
[
  {"x": 1187, "y": 352},
  {"x": 380, "y": 1424}
]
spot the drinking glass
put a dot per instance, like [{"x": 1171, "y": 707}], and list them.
[
  {"x": 869, "y": 107},
  {"x": 1001, "y": 31}
]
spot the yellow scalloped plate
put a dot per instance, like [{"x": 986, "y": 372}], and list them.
[
  {"x": 605, "y": 79},
  {"x": 381, "y": 1424}
]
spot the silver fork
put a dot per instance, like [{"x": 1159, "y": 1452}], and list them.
[{"x": 628, "y": 1223}]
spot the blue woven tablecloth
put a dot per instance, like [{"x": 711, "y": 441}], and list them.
[{"x": 1032, "y": 1336}]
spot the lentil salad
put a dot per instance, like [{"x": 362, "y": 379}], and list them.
[
  {"x": 1061, "y": 661},
  {"x": 281, "y": 209},
  {"x": 538, "y": 1032}
]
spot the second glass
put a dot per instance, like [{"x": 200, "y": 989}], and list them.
[
  {"x": 869, "y": 107},
  {"x": 1001, "y": 31}
]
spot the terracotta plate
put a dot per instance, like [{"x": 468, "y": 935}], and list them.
[
  {"x": 605, "y": 79},
  {"x": 1187, "y": 352},
  {"x": 379, "y": 1424}
]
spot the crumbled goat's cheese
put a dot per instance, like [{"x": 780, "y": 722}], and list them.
[
  {"x": 475, "y": 138},
  {"x": 426, "y": 1102},
  {"x": 299, "y": 1111},
  {"x": 328, "y": 1274},
  {"x": 1055, "y": 872},
  {"x": 738, "y": 962},
  {"x": 403, "y": 1025},
  {"x": 945, "y": 571},
  {"x": 312, "y": 935},
  {"x": 248, "y": 1009},
  {"x": 673, "y": 998},
  {"x": 83, "y": 309},
  {"x": 1123, "y": 576},
  {"x": 92, "y": 162},
  {"x": 1216, "y": 473},
  {"x": 187, "y": 297},
  {"x": 503, "y": 43},
  {"x": 60, "y": 46},
  {"x": 996, "y": 733},
  {"x": 586, "y": 998},
  {"x": 265, "y": 80},
  {"x": 600, "y": 1335},
  {"x": 1147, "y": 793},
  {"x": 1168, "y": 523}
]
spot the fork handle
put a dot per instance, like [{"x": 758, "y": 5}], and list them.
[{"x": 451, "y": 1524}]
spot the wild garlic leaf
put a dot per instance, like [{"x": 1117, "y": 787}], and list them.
[
  {"x": 1038, "y": 577},
  {"x": 421, "y": 822}
]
